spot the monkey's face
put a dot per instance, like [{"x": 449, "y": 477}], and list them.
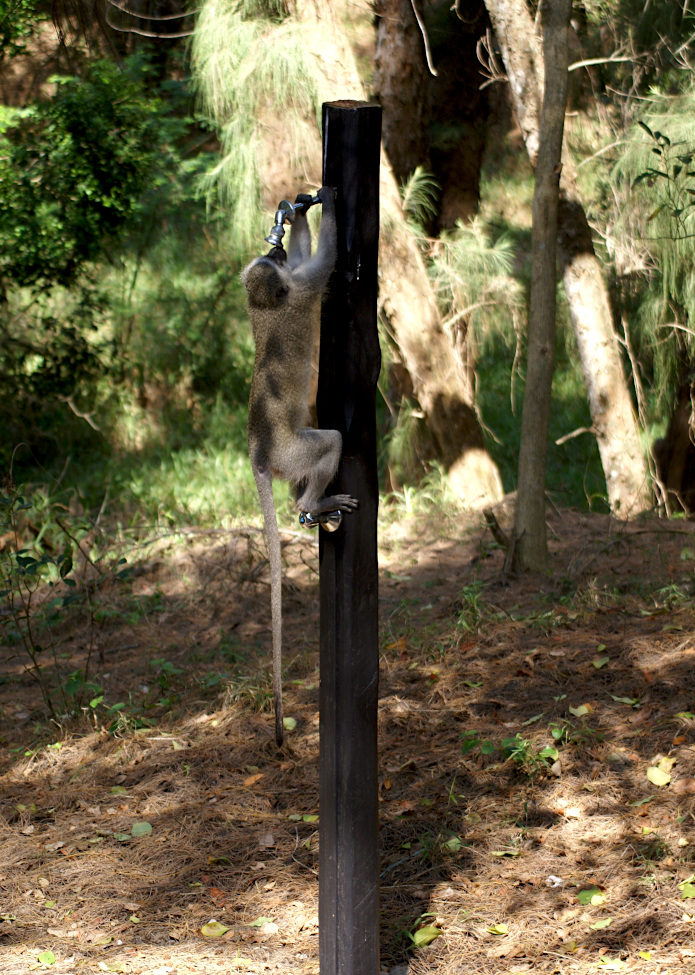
[{"x": 267, "y": 281}]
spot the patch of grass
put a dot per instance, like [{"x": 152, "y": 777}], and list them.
[
  {"x": 471, "y": 607},
  {"x": 574, "y": 475},
  {"x": 533, "y": 759}
]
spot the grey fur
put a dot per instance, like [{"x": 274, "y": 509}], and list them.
[{"x": 284, "y": 304}]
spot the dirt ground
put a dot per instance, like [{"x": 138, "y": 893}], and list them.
[{"x": 537, "y": 762}]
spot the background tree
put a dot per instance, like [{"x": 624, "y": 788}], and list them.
[
  {"x": 614, "y": 422},
  {"x": 529, "y": 547},
  {"x": 427, "y": 78}
]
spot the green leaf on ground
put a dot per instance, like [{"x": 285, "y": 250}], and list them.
[
  {"x": 641, "y": 802},
  {"x": 632, "y": 701},
  {"x": 141, "y": 829},
  {"x": 657, "y": 776},
  {"x": 424, "y": 936},
  {"x": 603, "y": 922},
  {"x": 213, "y": 929},
  {"x": 687, "y": 888},
  {"x": 591, "y": 896}
]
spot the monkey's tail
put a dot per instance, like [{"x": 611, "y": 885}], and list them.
[{"x": 264, "y": 484}]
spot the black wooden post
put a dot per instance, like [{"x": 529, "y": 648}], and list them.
[{"x": 348, "y": 373}]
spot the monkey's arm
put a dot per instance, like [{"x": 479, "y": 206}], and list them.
[
  {"x": 299, "y": 249},
  {"x": 315, "y": 272}
]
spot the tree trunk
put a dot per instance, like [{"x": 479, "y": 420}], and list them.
[
  {"x": 442, "y": 388},
  {"x": 614, "y": 421},
  {"x": 435, "y": 121},
  {"x": 529, "y": 548},
  {"x": 399, "y": 82},
  {"x": 612, "y": 413}
]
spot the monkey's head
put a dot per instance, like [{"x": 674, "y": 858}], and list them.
[{"x": 267, "y": 279}]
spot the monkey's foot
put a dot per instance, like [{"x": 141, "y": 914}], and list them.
[
  {"x": 330, "y": 521},
  {"x": 329, "y": 512}
]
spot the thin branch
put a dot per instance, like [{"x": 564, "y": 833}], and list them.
[
  {"x": 575, "y": 433},
  {"x": 467, "y": 311},
  {"x": 676, "y": 325},
  {"x": 492, "y": 69},
  {"x": 82, "y": 416},
  {"x": 423, "y": 31},
  {"x": 134, "y": 13},
  {"x": 589, "y": 61},
  {"x": 600, "y": 152},
  {"x": 147, "y": 33},
  {"x": 684, "y": 45},
  {"x": 496, "y": 530}
]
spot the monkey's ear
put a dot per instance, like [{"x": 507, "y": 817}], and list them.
[{"x": 265, "y": 284}]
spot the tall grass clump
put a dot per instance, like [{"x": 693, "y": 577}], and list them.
[
  {"x": 254, "y": 76},
  {"x": 653, "y": 242}
]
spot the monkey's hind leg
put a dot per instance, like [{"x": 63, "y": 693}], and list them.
[{"x": 323, "y": 447}]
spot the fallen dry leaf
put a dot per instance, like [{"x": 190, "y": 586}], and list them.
[{"x": 683, "y": 787}]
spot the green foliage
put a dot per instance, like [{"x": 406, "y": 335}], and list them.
[
  {"x": 419, "y": 197},
  {"x": 73, "y": 171},
  {"x": 533, "y": 759},
  {"x": 19, "y": 20},
  {"x": 474, "y": 284},
  {"x": 575, "y": 476},
  {"x": 122, "y": 323},
  {"x": 40, "y": 586},
  {"x": 79, "y": 173},
  {"x": 653, "y": 40},
  {"x": 471, "y": 607},
  {"x": 655, "y": 234}
]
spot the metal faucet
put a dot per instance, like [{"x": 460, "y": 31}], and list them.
[{"x": 285, "y": 214}]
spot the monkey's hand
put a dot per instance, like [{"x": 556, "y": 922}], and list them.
[
  {"x": 336, "y": 502},
  {"x": 303, "y": 202},
  {"x": 327, "y": 195}
]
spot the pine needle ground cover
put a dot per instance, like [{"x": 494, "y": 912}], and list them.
[{"x": 537, "y": 755}]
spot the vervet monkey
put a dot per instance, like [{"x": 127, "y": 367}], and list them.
[{"x": 284, "y": 293}]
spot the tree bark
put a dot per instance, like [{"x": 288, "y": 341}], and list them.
[
  {"x": 613, "y": 417},
  {"x": 399, "y": 82},
  {"x": 529, "y": 548},
  {"x": 436, "y": 121},
  {"x": 442, "y": 388}
]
